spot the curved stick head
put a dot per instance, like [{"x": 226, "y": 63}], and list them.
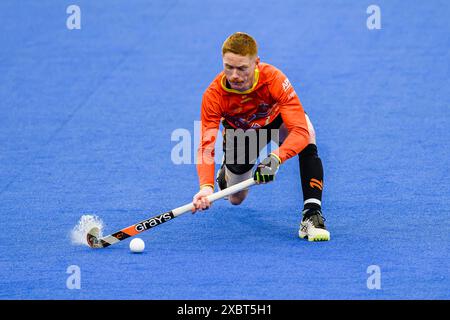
[{"x": 92, "y": 238}]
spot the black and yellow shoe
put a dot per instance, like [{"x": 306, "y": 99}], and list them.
[
  {"x": 313, "y": 227},
  {"x": 220, "y": 179}
]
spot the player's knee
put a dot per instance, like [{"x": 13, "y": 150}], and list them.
[
  {"x": 236, "y": 201},
  {"x": 312, "y": 132},
  {"x": 237, "y": 198},
  {"x": 312, "y": 136}
]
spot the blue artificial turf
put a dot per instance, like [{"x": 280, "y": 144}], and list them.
[{"x": 86, "y": 118}]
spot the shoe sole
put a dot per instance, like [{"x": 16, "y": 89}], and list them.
[
  {"x": 316, "y": 238},
  {"x": 319, "y": 238}
]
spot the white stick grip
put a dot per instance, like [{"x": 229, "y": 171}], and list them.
[
  {"x": 217, "y": 195},
  {"x": 231, "y": 190}
]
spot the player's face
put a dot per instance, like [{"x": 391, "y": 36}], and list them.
[{"x": 239, "y": 70}]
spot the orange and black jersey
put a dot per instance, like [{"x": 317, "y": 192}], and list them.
[{"x": 271, "y": 95}]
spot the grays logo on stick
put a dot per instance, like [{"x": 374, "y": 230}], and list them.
[{"x": 150, "y": 223}]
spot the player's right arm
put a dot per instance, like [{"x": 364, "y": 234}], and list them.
[{"x": 210, "y": 121}]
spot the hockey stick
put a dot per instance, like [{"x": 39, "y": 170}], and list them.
[{"x": 95, "y": 242}]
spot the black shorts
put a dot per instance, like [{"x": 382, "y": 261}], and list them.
[{"x": 242, "y": 148}]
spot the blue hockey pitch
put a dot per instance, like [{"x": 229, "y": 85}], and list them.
[{"x": 87, "y": 116}]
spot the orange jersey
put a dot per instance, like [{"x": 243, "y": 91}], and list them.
[{"x": 271, "y": 94}]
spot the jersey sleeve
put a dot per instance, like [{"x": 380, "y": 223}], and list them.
[
  {"x": 210, "y": 122},
  {"x": 292, "y": 114}
]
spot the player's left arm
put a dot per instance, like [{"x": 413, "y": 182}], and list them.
[{"x": 293, "y": 117}]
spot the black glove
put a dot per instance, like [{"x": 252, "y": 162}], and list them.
[{"x": 266, "y": 170}]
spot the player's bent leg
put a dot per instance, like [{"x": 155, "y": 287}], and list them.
[
  {"x": 227, "y": 178},
  {"x": 312, "y": 226},
  {"x": 234, "y": 178}
]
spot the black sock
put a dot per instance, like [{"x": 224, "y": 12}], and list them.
[{"x": 311, "y": 173}]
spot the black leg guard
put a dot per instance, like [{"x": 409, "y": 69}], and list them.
[{"x": 311, "y": 173}]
